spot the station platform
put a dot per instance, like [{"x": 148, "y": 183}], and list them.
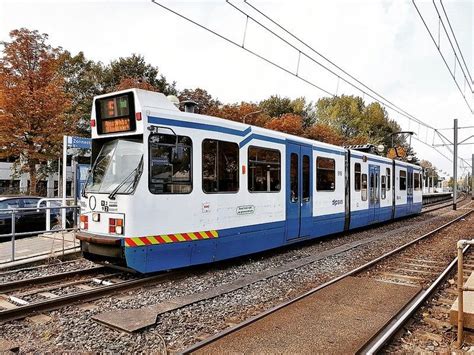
[{"x": 37, "y": 248}]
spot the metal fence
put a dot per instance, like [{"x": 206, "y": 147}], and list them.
[{"x": 13, "y": 213}]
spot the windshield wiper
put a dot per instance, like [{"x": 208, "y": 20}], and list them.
[{"x": 137, "y": 172}]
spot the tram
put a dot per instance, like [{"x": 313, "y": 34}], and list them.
[{"x": 171, "y": 189}]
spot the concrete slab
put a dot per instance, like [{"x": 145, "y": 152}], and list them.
[
  {"x": 468, "y": 306},
  {"x": 356, "y": 307},
  {"x": 6, "y": 305},
  {"x": 7, "y": 346},
  {"x": 131, "y": 320}
]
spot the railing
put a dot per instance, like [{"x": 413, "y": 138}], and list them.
[{"x": 18, "y": 212}]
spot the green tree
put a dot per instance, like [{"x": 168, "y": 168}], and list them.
[
  {"x": 207, "y": 105},
  {"x": 276, "y": 106},
  {"x": 83, "y": 80},
  {"x": 135, "y": 68}
]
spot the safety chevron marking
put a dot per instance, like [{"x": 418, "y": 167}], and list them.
[{"x": 170, "y": 238}]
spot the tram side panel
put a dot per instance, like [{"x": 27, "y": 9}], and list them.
[
  {"x": 218, "y": 220},
  {"x": 329, "y": 191}
]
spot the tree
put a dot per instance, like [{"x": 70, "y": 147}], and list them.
[
  {"x": 83, "y": 80},
  {"x": 324, "y": 133},
  {"x": 135, "y": 68},
  {"x": 275, "y": 106},
  {"x": 33, "y": 102},
  {"x": 206, "y": 104},
  {"x": 288, "y": 123},
  {"x": 244, "y": 112}
]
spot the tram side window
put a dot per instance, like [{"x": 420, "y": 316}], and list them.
[
  {"x": 357, "y": 176},
  {"x": 325, "y": 174},
  {"x": 384, "y": 187},
  {"x": 388, "y": 179},
  {"x": 417, "y": 181},
  {"x": 264, "y": 170},
  {"x": 220, "y": 166},
  {"x": 170, "y": 164},
  {"x": 403, "y": 180},
  {"x": 364, "y": 187}
]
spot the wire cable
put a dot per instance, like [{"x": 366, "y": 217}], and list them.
[
  {"x": 455, "y": 40},
  {"x": 242, "y": 46},
  {"x": 400, "y": 110},
  {"x": 442, "y": 56},
  {"x": 452, "y": 47}
]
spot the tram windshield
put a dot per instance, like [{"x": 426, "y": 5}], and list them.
[{"x": 117, "y": 168}]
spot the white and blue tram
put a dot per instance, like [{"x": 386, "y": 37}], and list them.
[{"x": 170, "y": 189}]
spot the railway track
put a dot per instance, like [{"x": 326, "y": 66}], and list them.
[
  {"x": 420, "y": 263},
  {"x": 92, "y": 287},
  {"x": 19, "y": 299}
]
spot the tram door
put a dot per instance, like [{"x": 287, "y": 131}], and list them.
[
  {"x": 299, "y": 182},
  {"x": 409, "y": 189},
  {"x": 374, "y": 192}
]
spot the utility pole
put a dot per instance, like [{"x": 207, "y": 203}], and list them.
[{"x": 455, "y": 164}]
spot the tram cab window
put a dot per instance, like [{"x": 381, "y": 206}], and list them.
[
  {"x": 220, "y": 166},
  {"x": 325, "y": 174},
  {"x": 264, "y": 167},
  {"x": 403, "y": 180},
  {"x": 357, "y": 177},
  {"x": 364, "y": 187},
  {"x": 170, "y": 164},
  {"x": 388, "y": 179}
]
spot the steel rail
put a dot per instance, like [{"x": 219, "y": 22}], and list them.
[
  {"x": 377, "y": 342},
  {"x": 251, "y": 320},
  {"x": 76, "y": 297},
  {"x": 41, "y": 280}
]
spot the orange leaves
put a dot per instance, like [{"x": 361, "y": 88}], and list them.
[
  {"x": 324, "y": 133},
  {"x": 33, "y": 101},
  {"x": 288, "y": 123}
]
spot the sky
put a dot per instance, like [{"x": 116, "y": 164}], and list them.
[{"x": 383, "y": 44}]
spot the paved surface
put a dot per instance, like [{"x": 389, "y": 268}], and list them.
[
  {"x": 339, "y": 319},
  {"x": 26, "y": 249}
]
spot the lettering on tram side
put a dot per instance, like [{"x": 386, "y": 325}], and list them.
[
  {"x": 245, "y": 210},
  {"x": 337, "y": 202},
  {"x": 206, "y": 207}
]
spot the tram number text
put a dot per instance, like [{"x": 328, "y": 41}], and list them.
[
  {"x": 337, "y": 202},
  {"x": 108, "y": 206}
]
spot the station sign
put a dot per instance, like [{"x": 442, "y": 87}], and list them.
[{"x": 79, "y": 142}]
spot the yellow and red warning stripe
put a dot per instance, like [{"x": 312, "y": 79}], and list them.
[{"x": 170, "y": 238}]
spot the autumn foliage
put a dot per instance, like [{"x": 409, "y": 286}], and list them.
[
  {"x": 288, "y": 123},
  {"x": 46, "y": 93},
  {"x": 33, "y": 115}
]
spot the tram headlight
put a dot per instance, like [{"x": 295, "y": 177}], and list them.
[{"x": 96, "y": 217}]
